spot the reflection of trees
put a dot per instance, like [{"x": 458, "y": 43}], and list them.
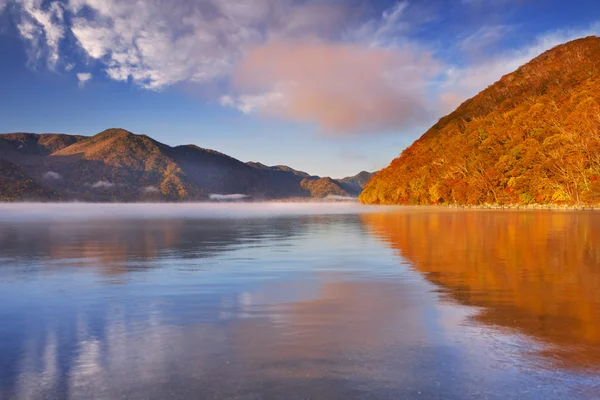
[{"x": 538, "y": 273}]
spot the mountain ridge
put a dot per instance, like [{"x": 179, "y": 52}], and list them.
[{"x": 118, "y": 165}]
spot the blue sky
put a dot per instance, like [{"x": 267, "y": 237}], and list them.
[{"x": 328, "y": 87}]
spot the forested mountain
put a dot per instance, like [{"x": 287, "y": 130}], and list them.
[
  {"x": 322, "y": 187},
  {"x": 355, "y": 184},
  {"x": 532, "y": 137},
  {"x": 117, "y": 165}
]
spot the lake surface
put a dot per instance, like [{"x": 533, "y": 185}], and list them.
[{"x": 284, "y": 301}]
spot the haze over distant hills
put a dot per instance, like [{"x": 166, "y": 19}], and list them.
[
  {"x": 117, "y": 165},
  {"x": 532, "y": 137}
]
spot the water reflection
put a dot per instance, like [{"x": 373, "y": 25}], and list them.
[
  {"x": 289, "y": 307},
  {"x": 118, "y": 247},
  {"x": 533, "y": 272}
]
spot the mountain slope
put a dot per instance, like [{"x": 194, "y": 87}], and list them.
[
  {"x": 16, "y": 184},
  {"x": 117, "y": 165},
  {"x": 355, "y": 184},
  {"x": 281, "y": 168},
  {"x": 323, "y": 187},
  {"x": 532, "y": 137},
  {"x": 39, "y": 144}
]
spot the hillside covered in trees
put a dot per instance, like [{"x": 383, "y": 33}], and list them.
[
  {"x": 117, "y": 165},
  {"x": 532, "y": 137}
]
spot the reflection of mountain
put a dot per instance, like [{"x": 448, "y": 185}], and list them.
[
  {"x": 538, "y": 273},
  {"x": 119, "y": 246}
]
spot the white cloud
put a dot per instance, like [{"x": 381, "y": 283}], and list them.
[
  {"x": 340, "y": 198},
  {"x": 103, "y": 185},
  {"x": 252, "y": 103},
  {"x": 484, "y": 37},
  {"x": 83, "y": 78},
  {"x": 157, "y": 43},
  {"x": 43, "y": 28},
  {"x": 52, "y": 175},
  {"x": 150, "y": 189},
  {"x": 388, "y": 81},
  {"x": 227, "y": 197},
  {"x": 381, "y": 31}
]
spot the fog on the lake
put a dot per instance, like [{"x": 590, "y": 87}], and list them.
[{"x": 79, "y": 211}]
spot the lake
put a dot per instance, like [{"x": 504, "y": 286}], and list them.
[{"x": 297, "y": 301}]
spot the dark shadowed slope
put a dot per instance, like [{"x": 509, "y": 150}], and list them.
[
  {"x": 40, "y": 144},
  {"x": 532, "y": 137},
  {"x": 355, "y": 184},
  {"x": 16, "y": 185}
]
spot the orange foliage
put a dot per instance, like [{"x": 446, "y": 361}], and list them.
[{"x": 532, "y": 137}]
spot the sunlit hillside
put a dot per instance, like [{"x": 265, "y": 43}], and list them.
[
  {"x": 117, "y": 165},
  {"x": 532, "y": 137}
]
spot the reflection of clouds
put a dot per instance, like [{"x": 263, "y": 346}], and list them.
[
  {"x": 35, "y": 381},
  {"x": 349, "y": 338},
  {"x": 87, "y": 377},
  {"x": 331, "y": 332}
]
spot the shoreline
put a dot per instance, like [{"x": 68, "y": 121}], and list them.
[{"x": 530, "y": 207}]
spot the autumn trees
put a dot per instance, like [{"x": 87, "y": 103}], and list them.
[{"x": 532, "y": 137}]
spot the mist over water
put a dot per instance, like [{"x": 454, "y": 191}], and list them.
[
  {"x": 294, "y": 301},
  {"x": 83, "y": 211}
]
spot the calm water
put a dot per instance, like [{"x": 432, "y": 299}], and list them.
[{"x": 297, "y": 302}]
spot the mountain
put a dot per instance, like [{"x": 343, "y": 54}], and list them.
[
  {"x": 16, "y": 184},
  {"x": 282, "y": 168},
  {"x": 355, "y": 184},
  {"x": 349, "y": 186},
  {"x": 117, "y": 165},
  {"x": 532, "y": 137},
  {"x": 323, "y": 187},
  {"x": 40, "y": 144}
]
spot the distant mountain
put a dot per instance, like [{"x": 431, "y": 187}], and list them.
[
  {"x": 323, "y": 187},
  {"x": 281, "y": 168},
  {"x": 117, "y": 165},
  {"x": 355, "y": 184},
  {"x": 349, "y": 186},
  {"x": 532, "y": 137}
]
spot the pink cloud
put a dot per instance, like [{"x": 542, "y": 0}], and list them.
[{"x": 341, "y": 87}]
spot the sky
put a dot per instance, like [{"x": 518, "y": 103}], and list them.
[{"x": 330, "y": 87}]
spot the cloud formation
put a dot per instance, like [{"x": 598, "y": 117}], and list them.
[
  {"x": 103, "y": 185},
  {"x": 157, "y": 44},
  {"x": 52, "y": 175},
  {"x": 150, "y": 189},
  {"x": 83, "y": 78},
  {"x": 228, "y": 197},
  {"x": 331, "y": 64},
  {"x": 340, "y": 87},
  {"x": 43, "y": 28}
]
